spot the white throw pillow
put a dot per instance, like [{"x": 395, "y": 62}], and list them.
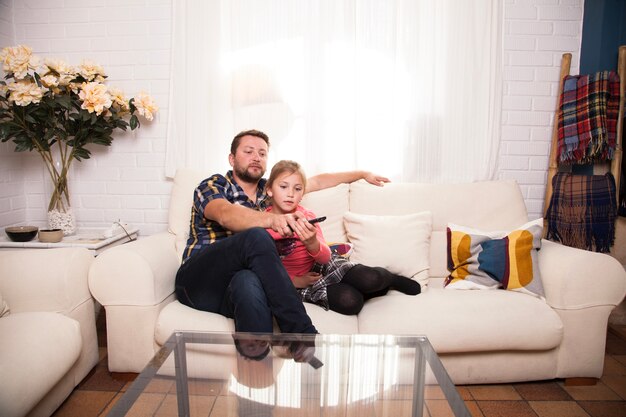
[
  {"x": 4, "y": 307},
  {"x": 400, "y": 244}
]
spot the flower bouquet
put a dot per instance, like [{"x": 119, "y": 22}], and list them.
[{"x": 58, "y": 110}]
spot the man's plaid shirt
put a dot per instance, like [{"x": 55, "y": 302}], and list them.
[{"x": 203, "y": 232}]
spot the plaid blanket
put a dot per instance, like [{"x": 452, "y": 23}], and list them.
[
  {"x": 587, "y": 120},
  {"x": 582, "y": 211}
]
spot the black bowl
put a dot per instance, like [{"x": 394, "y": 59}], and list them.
[{"x": 21, "y": 233}]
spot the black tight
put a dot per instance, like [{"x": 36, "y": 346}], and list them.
[{"x": 364, "y": 282}]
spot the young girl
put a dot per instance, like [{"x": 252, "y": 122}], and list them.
[{"x": 323, "y": 277}]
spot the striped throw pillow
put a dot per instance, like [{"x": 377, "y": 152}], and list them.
[{"x": 492, "y": 260}]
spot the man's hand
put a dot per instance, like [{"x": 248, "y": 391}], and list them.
[
  {"x": 374, "y": 179},
  {"x": 306, "y": 280},
  {"x": 285, "y": 224}
]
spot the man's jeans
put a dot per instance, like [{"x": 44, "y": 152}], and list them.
[{"x": 242, "y": 277}]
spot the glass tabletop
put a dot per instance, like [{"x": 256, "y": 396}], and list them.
[{"x": 240, "y": 374}]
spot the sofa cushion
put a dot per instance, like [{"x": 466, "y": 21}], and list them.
[
  {"x": 178, "y": 317},
  {"x": 466, "y": 321},
  {"x": 397, "y": 243},
  {"x": 331, "y": 322},
  {"x": 503, "y": 259},
  {"x": 36, "y": 350}
]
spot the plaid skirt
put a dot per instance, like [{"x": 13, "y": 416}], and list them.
[{"x": 332, "y": 273}]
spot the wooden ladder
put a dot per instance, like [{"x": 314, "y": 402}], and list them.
[{"x": 616, "y": 163}]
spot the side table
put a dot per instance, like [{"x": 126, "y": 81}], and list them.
[{"x": 91, "y": 238}]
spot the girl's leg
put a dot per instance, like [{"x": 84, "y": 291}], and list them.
[
  {"x": 373, "y": 281},
  {"x": 344, "y": 299}
]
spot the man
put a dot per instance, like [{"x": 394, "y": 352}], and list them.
[{"x": 230, "y": 265}]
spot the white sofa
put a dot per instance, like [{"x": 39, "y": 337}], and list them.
[
  {"x": 48, "y": 341},
  {"x": 489, "y": 336}
]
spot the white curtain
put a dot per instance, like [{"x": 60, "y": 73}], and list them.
[{"x": 410, "y": 89}]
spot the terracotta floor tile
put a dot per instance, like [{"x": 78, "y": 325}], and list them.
[
  {"x": 85, "y": 403},
  {"x": 615, "y": 344},
  {"x": 439, "y": 408},
  {"x": 542, "y": 391},
  {"x": 206, "y": 387},
  {"x": 146, "y": 405},
  {"x": 198, "y": 406},
  {"x": 102, "y": 355},
  {"x": 222, "y": 405},
  {"x": 433, "y": 393},
  {"x": 384, "y": 408},
  {"x": 612, "y": 366},
  {"x": 473, "y": 408},
  {"x": 618, "y": 330},
  {"x": 617, "y": 383},
  {"x": 465, "y": 393},
  {"x": 604, "y": 408},
  {"x": 161, "y": 385},
  {"x": 598, "y": 392},
  {"x": 620, "y": 358},
  {"x": 506, "y": 409},
  {"x": 494, "y": 392},
  {"x": 110, "y": 405},
  {"x": 100, "y": 379},
  {"x": 557, "y": 409}
]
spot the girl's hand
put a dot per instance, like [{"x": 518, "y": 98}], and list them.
[
  {"x": 307, "y": 234},
  {"x": 306, "y": 280}
]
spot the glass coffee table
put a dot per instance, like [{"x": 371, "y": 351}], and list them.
[{"x": 238, "y": 374}]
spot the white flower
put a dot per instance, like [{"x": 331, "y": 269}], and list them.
[
  {"x": 146, "y": 106},
  {"x": 95, "y": 97},
  {"x": 18, "y": 60},
  {"x": 65, "y": 73},
  {"x": 49, "y": 81},
  {"x": 24, "y": 92},
  {"x": 91, "y": 71},
  {"x": 119, "y": 100}
]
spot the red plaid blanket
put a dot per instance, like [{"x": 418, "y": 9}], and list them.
[{"x": 587, "y": 120}]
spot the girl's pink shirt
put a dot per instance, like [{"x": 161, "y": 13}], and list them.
[{"x": 298, "y": 261}]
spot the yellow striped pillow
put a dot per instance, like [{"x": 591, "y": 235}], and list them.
[{"x": 491, "y": 260}]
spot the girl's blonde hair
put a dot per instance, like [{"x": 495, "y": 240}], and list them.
[{"x": 280, "y": 167}]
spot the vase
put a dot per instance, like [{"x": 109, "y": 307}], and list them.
[
  {"x": 62, "y": 219},
  {"x": 60, "y": 213}
]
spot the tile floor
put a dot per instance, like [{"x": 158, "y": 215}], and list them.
[{"x": 95, "y": 395}]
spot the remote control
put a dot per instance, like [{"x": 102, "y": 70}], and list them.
[{"x": 317, "y": 220}]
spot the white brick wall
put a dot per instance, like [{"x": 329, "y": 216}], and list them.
[
  {"x": 131, "y": 40},
  {"x": 536, "y": 34}
]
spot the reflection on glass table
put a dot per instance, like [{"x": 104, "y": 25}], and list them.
[{"x": 239, "y": 374}]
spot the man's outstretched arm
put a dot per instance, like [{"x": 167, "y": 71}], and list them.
[
  {"x": 237, "y": 218},
  {"x": 322, "y": 181}
]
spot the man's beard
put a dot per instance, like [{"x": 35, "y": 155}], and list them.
[{"x": 245, "y": 176}]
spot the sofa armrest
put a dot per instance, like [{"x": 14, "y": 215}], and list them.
[
  {"x": 140, "y": 273},
  {"x": 575, "y": 279},
  {"x": 53, "y": 280}
]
